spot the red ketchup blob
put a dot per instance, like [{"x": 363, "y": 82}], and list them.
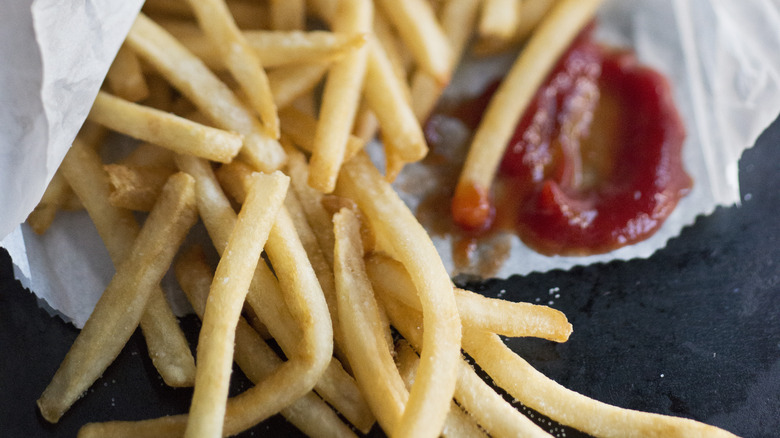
[{"x": 595, "y": 162}]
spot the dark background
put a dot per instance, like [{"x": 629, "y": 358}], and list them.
[{"x": 693, "y": 331}]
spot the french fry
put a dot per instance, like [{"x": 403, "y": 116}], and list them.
[
  {"x": 118, "y": 229},
  {"x": 119, "y": 309},
  {"x": 546, "y": 396},
  {"x": 499, "y": 19},
  {"x": 135, "y": 188},
  {"x": 365, "y": 342},
  {"x": 164, "y": 129},
  {"x": 290, "y": 83},
  {"x": 471, "y": 202},
  {"x": 533, "y": 11},
  {"x": 125, "y": 77},
  {"x": 418, "y": 27},
  {"x": 492, "y": 412},
  {"x": 212, "y": 97},
  {"x": 54, "y": 198},
  {"x": 458, "y": 423},
  {"x": 340, "y": 98},
  {"x": 218, "y": 24},
  {"x": 231, "y": 282},
  {"x": 299, "y": 127},
  {"x": 476, "y": 311},
  {"x": 387, "y": 97},
  {"x": 388, "y": 215}
]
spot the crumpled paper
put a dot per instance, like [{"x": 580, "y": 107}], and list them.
[{"x": 720, "y": 56}]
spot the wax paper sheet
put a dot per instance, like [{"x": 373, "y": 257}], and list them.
[{"x": 720, "y": 56}]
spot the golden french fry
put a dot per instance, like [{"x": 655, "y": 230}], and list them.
[
  {"x": 387, "y": 97},
  {"x": 218, "y": 24},
  {"x": 119, "y": 309},
  {"x": 54, "y": 198},
  {"x": 212, "y": 97},
  {"x": 476, "y": 311},
  {"x": 365, "y": 341},
  {"x": 135, "y": 188},
  {"x": 533, "y": 11},
  {"x": 492, "y": 412},
  {"x": 340, "y": 98},
  {"x": 118, "y": 229},
  {"x": 459, "y": 423},
  {"x": 300, "y": 127},
  {"x": 417, "y": 25},
  {"x": 560, "y": 26},
  {"x": 499, "y": 19},
  {"x": 164, "y": 129},
  {"x": 231, "y": 282},
  {"x": 544, "y": 395},
  {"x": 389, "y": 217},
  {"x": 125, "y": 77},
  {"x": 290, "y": 83}
]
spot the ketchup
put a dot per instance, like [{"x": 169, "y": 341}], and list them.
[{"x": 595, "y": 162}]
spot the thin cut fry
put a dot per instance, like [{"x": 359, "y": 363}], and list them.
[
  {"x": 499, "y": 19},
  {"x": 388, "y": 215},
  {"x": 417, "y": 25},
  {"x": 300, "y": 127},
  {"x": 231, "y": 282},
  {"x": 212, "y": 97},
  {"x": 54, "y": 198},
  {"x": 119, "y": 309},
  {"x": 118, "y": 229},
  {"x": 340, "y": 98},
  {"x": 125, "y": 76},
  {"x": 513, "y": 95},
  {"x": 290, "y": 83},
  {"x": 218, "y": 24},
  {"x": 544, "y": 395},
  {"x": 135, "y": 188},
  {"x": 533, "y": 11},
  {"x": 476, "y": 311},
  {"x": 364, "y": 339},
  {"x": 164, "y": 129}
]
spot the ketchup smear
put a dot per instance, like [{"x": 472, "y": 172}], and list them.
[{"x": 595, "y": 162}]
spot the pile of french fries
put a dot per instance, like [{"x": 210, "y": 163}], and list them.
[{"x": 253, "y": 123}]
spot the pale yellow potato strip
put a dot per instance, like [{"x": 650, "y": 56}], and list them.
[
  {"x": 135, "y": 187},
  {"x": 533, "y": 389},
  {"x": 387, "y": 96},
  {"x": 119, "y": 309},
  {"x": 212, "y": 97},
  {"x": 389, "y": 216},
  {"x": 126, "y": 78},
  {"x": 341, "y": 98},
  {"x": 364, "y": 342},
  {"x": 458, "y": 423},
  {"x": 499, "y": 18},
  {"x": 54, "y": 198},
  {"x": 290, "y": 83},
  {"x": 533, "y": 11},
  {"x": 495, "y": 315},
  {"x": 228, "y": 291},
  {"x": 218, "y": 24},
  {"x": 265, "y": 295},
  {"x": 550, "y": 40},
  {"x": 418, "y": 27},
  {"x": 492, "y": 412},
  {"x": 300, "y": 128},
  {"x": 118, "y": 229}
]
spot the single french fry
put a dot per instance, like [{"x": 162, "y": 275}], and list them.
[
  {"x": 492, "y": 412},
  {"x": 340, "y": 99},
  {"x": 290, "y": 83},
  {"x": 300, "y": 127},
  {"x": 533, "y": 11},
  {"x": 232, "y": 177},
  {"x": 417, "y": 25},
  {"x": 471, "y": 203},
  {"x": 365, "y": 342},
  {"x": 125, "y": 77},
  {"x": 499, "y": 19},
  {"x": 119, "y": 309},
  {"x": 544, "y": 395},
  {"x": 387, "y": 97},
  {"x": 218, "y": 24},
  {"x": 287, "y": 14},
  {"x": 389, "y": 217},
  {"x": 476, "y": 311},
  {"x": 118, "y": 229},
  {"x": 54, "y": 198},
  {"x": 164, "y": 129},
  {"x": 212, "y": 97},
  {"x": 135, "y": 188},
  {"x": 231, "y": 282},
  {"x": 458, "y": 423}
]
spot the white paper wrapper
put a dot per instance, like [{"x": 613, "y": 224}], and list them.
[{"x": 720, "y": 56}]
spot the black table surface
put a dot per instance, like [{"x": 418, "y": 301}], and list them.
[{"x": 693, "y": 331}]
